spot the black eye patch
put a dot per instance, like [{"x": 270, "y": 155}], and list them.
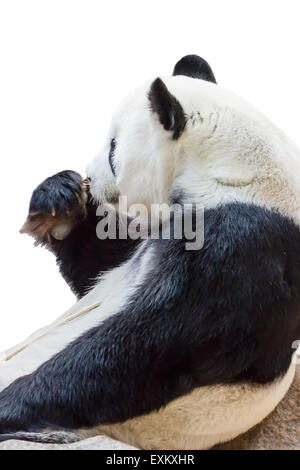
[{"x": 113, "y": 145}]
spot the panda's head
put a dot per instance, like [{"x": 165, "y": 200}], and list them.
[{"x": 185, "y": 139}]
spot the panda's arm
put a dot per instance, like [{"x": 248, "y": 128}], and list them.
[
  {"x": 62, "y": 217},
  {"x": 135, "y": 362},
  {"x": 226, "y": 313}
]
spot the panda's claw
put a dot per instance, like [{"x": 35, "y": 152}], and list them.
[{"x": 56, "y": 207}]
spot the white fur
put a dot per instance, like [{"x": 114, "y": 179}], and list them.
[
  {"x": 228, "y": 152},
  {"x": 113, "y": 291},
  {"x": 199, "y": 420},
  {"x": 203, "y": 418}
]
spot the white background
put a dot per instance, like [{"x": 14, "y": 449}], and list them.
[{"x": 65, "y": 64}]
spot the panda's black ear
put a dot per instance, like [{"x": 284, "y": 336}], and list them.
[
  {"x": 195, "y": 67},
  {"x": 168, "y": 108}
]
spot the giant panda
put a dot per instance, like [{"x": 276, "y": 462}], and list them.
[{"x": 188, "y": 348}]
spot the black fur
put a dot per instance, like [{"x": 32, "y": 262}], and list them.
[
  {"x": 226, "y": 313},
  {"x": 82, "y": 256},
  {"x": 195, "y": 67},
  {"x": 169, "y": 110},
  {"x": 113, "y": 145},
  {"x": 177, "y": 197},
  {"x": 60, "y": 192}
]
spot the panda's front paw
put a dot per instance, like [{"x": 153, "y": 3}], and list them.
[{"x": 57, "y": 205}]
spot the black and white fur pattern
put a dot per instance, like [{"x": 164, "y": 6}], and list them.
[{"x": 188, "y": 349}]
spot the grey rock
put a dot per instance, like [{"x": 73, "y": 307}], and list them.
[{"x": 279, "y": 431}]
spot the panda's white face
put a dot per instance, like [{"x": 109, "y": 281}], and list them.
[
  {"x": 224, "y": 151},
  {"x": 139, "y": 158}
]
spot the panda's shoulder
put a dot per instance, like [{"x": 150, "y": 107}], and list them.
[{"x": 243, "y": 282}]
